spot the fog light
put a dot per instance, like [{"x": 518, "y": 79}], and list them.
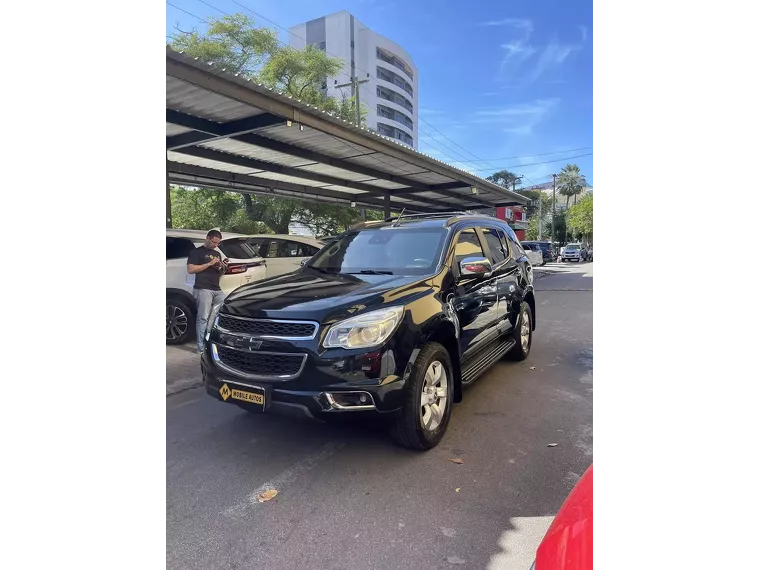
[{"x": 363, "y": 399}]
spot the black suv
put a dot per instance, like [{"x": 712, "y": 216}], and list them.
[{"x": 391, "y": 319}]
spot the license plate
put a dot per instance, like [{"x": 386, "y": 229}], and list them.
[{"x": 247, "y": 396}]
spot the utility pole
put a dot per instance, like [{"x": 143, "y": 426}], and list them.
[
  {"x": 553, "y": 205},
  {"x": 355, "y": 85},
  {"x": 540, "y": 215}
]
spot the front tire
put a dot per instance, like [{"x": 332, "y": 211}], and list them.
[
  {"x": 522, "y": 334},
  {"x": 180, "y": 321},
  {"x": 423, "y": 420}
]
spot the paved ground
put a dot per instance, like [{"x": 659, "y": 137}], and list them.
[{"x": 348, "y": 498}]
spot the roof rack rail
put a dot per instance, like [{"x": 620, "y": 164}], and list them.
[{"x": 428, "y": 215}]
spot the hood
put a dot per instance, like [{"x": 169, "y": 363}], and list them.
[
  {"x": 310, "y": 295},
  {"x": 568, "y": 543}
]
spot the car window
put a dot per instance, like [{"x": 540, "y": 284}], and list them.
[
  {"x": 178, "y": 248},
  {"x": 397, "y": 250},
  {"x": 238, "y": 248},
  {"x": 468, "y": 245},
  {"x": 297, "y": 249},
  {"x": 497, "y": 255}
]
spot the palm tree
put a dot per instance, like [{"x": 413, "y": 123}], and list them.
[{"x": 570, "y": 182}]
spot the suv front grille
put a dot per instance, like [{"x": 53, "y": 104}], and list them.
[
  {"x": 259, "y": 365},
  {"x": 268, "y": 328}
]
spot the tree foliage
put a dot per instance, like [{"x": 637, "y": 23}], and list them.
[
  {"x": 580, "y": 216},
  {"x": 206, "y": 209},
  {"x": 505, "y": 178},
  {"x": 570, "y": 182},
  {"x": 234, "y": 43}
]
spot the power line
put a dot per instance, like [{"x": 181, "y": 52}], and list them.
[
  {"x": 535, "y": 154},
  {"x": 537, "y": 163}
]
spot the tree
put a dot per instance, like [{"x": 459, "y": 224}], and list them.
[
  {"x": 201, "y": 209},
  {"x": 560, "y": 228},
  {"x": 505, "y": 178},
  {"x": 532, "y": 229},
  {"x": 232, "y": 43},
  {"x": 235, "y": 44},
  {"x": 570, "y": 182},
  {"x": 326, "y": 219},
  {"x": 580, "y": 217}
]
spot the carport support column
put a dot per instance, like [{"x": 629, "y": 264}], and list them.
[
  {"x": 387, "y": 206},
  {"x": 168, "y": 195}
]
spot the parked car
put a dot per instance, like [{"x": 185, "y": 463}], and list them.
[
  {"x": 244, "y": 267},
  {"x": 572, "y": 252},
  {"x": 284, "y": 253},
  {"x": 392, "y": 320},
  {"x": 590, "y": 253},
  {"x": 544, "y": 247},
  {"x": 534, "y": 255},
  {"x": 568, "y": 543}
]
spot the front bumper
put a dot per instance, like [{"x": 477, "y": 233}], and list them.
[{"x": 322, "y": 388}]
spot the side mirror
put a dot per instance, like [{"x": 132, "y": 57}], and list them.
[
  {"x": 303, "y": 261},
  {"x": 475, "y": 267}
]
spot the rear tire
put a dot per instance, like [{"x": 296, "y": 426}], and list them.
[
  {"x": 180, "y": 321},
  {"x": 408, "y": 428},
  {"x": 522, "y": 334}
]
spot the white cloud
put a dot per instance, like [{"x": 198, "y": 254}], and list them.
[
  {"x": 538, "y": 107},
  {"x": 518, "y": 23},
  {"x": 584, "y": 32},
  {"x": 554, "y": 54}
]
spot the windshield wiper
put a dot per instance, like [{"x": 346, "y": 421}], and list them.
[{"x": 369, "y": 272}]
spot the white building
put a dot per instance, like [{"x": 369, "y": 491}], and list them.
[{"x": 390, "y": 95}]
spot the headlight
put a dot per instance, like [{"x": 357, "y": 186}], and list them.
[
  {"x": 212, "y": 319},
  {"x": 364, "y": 331}
]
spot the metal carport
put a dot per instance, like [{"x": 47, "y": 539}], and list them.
[{"x": 228, "y": 133}]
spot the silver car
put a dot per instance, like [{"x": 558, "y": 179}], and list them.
[
  {"x": 534, "y": 255},
  {"x": 572, "y": 252}
]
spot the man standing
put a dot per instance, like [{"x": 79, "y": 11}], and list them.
[{"x": 205, "y": 263}]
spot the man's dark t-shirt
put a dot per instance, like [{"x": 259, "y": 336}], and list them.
[{"x": 209, "y": 277}]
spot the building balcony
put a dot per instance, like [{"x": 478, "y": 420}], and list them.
[
  {"x": 397, "y": 62},
  {"x": 391, "y": 78},
  {"x": 392, "y": 98}
]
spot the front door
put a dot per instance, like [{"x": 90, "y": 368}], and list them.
[{"x": 475, "y": 300}]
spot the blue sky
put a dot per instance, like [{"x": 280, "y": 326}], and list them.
[{"x": 499, "y": 79}]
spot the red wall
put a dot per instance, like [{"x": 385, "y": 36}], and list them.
[{"x": 500, "y": 213}]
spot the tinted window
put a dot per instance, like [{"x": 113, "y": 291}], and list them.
[
  {"x": 238, "y": 249},
  {"x": 295, "y": 249},
  {"x": 402, "y": 251},
  {"x": 497, "y": 255},
  {"x": 468, "y": 245},
  {"x": 178, "y": 248}
]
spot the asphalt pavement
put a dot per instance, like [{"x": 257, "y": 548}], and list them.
[{"x": 349, "y": 498}]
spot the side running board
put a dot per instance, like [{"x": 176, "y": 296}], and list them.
[{"x": 482, "y": 361}]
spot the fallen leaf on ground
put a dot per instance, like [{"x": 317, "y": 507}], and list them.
[
  {"x": 552, "y": 444},
  {"x": 455, "y": 560},
  {"x": 532, "y": 368},
  {"x": 456, "y": 460},
  {"x": 267, "y": 495},
  {"x": 458, "y": 489}
]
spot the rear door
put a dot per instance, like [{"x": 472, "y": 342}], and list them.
[{"x": 505, "y": 270}]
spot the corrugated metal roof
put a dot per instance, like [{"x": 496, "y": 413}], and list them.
[{"x": 225, "y": 131}]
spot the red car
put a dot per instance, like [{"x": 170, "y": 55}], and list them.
[{"x": 568, "y": 543}]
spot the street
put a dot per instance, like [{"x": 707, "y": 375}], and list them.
[{"x": 349, "y": 498}]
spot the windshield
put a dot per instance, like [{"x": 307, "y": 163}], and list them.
[
  {"x": 388, "y": 250},
  {"x": 572, "y": 247}
]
